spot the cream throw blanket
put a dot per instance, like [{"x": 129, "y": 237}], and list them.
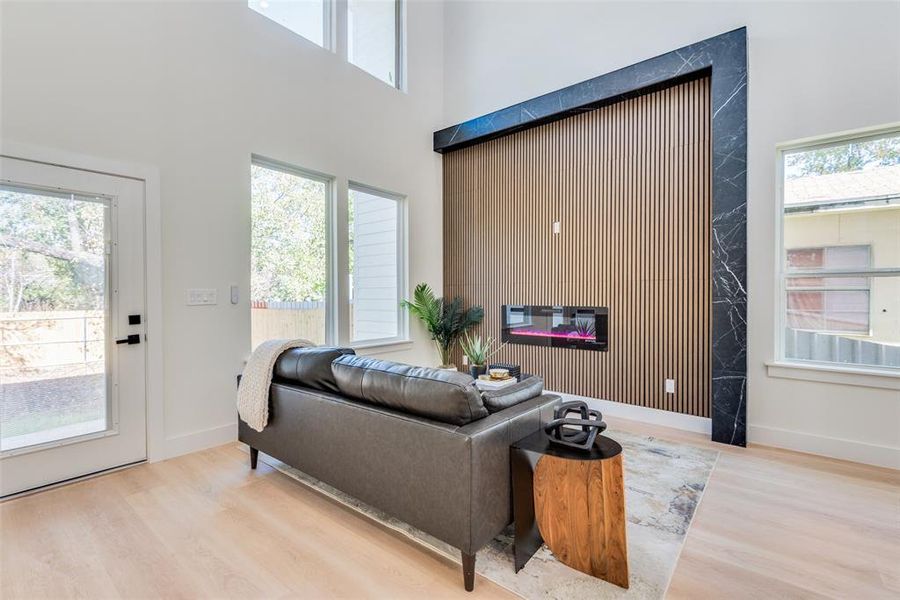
[{"x": 253, "y": 392}]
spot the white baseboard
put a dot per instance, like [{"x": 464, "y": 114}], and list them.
[
  {"x": 644, "y": 414},
  {"x": 852, "y": 450},
  {"x": 200, "y": 440}
]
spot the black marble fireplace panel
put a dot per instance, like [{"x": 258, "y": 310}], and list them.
[{"x": 724, "y": 59}]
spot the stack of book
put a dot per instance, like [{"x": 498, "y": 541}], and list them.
[{"x": 485, "y": 383}]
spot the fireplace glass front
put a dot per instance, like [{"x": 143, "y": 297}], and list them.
[{"x": 584, "y": 327}]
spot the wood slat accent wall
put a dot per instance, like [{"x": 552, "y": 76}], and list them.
[{"x": 630, "y": 185}]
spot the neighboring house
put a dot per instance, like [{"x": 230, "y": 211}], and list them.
[{"x": 848, "y": 221}]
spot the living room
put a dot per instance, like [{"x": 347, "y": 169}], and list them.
[{"x": 680, "y": 219}]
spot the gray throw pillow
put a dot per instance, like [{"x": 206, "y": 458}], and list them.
[{"x": 497, "y": 400}]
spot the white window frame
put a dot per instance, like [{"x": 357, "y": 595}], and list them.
[
  {"x": 331, "y": 312},
  {"x": 792, "y": 368},
  {"x": 399, "y": 44},
  {"x": 402, "y": 265}
]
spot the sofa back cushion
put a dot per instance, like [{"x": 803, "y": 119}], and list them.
[
  {"x": 445, "y": 396},
  {"x": 497, "y": 400},
  {"x": 310, "y": 367}
]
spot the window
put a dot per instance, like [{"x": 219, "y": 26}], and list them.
[
  {"x": 376, "y": 257},
  {"x": 373, "y": 40},
  {"x": 293, "y": 256},
  {"x": 374, "y": 30},
  {"x": 308, "y": 18},
  {"x": 840, "y": 259},
  {"x": 832, "y": 304},
  {"x": 290, "y": 254}
]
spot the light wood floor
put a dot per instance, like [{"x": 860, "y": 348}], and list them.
[{"x": 772, "y": 524}]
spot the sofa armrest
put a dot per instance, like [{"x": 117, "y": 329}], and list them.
[
  {"x": 516, "y": 414},
  {"x": 489, "y": 440}
]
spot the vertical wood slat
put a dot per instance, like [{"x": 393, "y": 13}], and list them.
[{"x": 630, "y": 184}]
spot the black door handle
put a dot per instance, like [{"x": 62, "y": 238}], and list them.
[{"x": 134, "y": 338}]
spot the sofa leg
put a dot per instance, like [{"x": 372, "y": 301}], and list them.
[
  {"x": 468, "y": 565},
  {"x": 254, "y": 456}
]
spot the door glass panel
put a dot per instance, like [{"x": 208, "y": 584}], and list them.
[{"x": 53, "y": 316}]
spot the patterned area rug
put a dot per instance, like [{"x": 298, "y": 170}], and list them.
[{"x": 664, "y": 482}]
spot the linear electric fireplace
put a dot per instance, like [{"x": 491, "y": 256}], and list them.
[{"x": 585, "y": 327}]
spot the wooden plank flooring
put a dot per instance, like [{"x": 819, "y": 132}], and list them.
[
  {"x": 772, "y": 524},
  {"x": 780, "y": 524}
]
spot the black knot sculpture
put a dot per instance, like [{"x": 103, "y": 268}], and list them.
[{"x": 576, "y": 433}]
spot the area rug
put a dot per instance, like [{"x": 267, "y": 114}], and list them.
[{"x": 664, "y": 482}]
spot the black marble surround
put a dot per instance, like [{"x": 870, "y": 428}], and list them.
[{"x": 724, "y": 58}]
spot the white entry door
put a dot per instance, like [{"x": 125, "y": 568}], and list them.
[{"x": 72, "y": 344}]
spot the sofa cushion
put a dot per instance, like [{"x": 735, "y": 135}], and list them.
[
  {"x": 310, "y": 367},
  {"x": 497, "y": 400},
  {"x": 446, "y": 396}
]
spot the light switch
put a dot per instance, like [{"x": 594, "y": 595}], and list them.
[
  {"x": 557, "y": 227},
  {"x": 235, "y": 294},
  {"x": 201, "y": 297}
]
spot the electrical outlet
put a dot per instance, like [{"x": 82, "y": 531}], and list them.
[
  {"x": 670, "y": 386},
  {"x": 465, "y": 360},
  {"x": 201, "y": 297},
  {"x": 557, "y": 227}
]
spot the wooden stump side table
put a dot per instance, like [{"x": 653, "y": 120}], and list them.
[{"x": 574, "y": 501}]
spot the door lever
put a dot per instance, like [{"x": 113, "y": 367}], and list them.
[{"x": 134, "y": 338}]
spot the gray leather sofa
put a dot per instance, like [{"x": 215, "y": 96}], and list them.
[{"x": 416, "y": 443}]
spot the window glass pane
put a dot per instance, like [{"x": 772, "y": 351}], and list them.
[
  {"x": 831, "y": 310},
  {"x": 846, "y": 257},
  {"x": 303, "y": 17},
  {"x": 374, "y": 236},
  {"x": 805, "y": 258},
  {"x": 372, "y": 37},
  {"x": 289, "y": 256},
  {"x": 842, "y": 212},
  {"x": 845, "y": 198},
  {"x": 846, "y": 326},
  {"x": 53, "y": 314}
]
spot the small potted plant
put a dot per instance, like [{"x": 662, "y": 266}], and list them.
[
  {"x": 444, "y": 320},
  {"x": 478, "y": 351}
]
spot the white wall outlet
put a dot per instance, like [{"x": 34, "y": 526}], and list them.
[
  {"x": 670, "y": 386},
  {"x": 235, "y": 294},
  {"x": 465, "y": 360},
  {"x": 201, "y": 297},
  {"x": 557, "y": 227}
]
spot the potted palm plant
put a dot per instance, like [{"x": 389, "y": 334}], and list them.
[
  {"x": 445, "y": 321},
  {"x": 478, "y": 351}
]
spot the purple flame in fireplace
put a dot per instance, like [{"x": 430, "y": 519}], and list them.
[{"x": 538, "y": 333}]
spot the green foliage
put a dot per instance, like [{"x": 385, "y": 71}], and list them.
[
  {"x": 51, "y": 252},
  {"x": 288, "y": 247},
  {"x": 478, "y": 349},
  {"x": 846, "y": 157},
  {"x": 445, "y": 321}
]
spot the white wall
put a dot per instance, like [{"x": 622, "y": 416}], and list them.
[
  {"x": 194, "y": 89},
  {"x": 815, "y": 68}
]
